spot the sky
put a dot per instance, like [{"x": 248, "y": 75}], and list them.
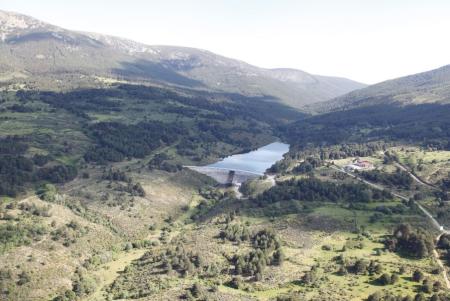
[{"x": 364, "y": 40}]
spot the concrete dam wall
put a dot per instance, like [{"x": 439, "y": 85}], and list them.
[{"x": 226, "y": 176}]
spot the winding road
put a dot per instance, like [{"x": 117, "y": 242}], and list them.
[{"x": 435, "y": 223}]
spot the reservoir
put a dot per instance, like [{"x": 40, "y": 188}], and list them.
[
  {"x": 239, "y": 168},
  {"x": 256, "y": 161}
]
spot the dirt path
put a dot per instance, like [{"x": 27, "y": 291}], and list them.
[
  {"x": 441, "y": 265},
  {"x": 108, "y": 272},
  {"x": 415, "y": 178},
  {"x": 236, "y": 191},
  {"x": 435, "y": 223},
  {"x": 271, "y": 178}
]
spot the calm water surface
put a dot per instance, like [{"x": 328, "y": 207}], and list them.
[{"x": 255, "y": 161}]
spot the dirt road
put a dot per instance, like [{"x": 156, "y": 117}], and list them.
[
  {"x": 435, "y": 223},
  {"x": 415, "y": 178}
]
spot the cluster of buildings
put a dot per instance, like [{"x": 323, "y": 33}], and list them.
[{"x": 358, "y": 164}]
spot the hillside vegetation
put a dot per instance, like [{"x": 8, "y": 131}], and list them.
[
  {"x": 95, "y": 202},
  {"x": 38, "y": 55},
  {"x": 423, "y": 88},
  {"x": 48, "y": 135}
]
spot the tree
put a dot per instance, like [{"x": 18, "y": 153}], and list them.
[
  {"x": 278, "y": 257},
  {"x": 377, "y": 296},
  {"x": 394, "y": 278},
  {"x": 375, "y": 268},
  {"x": 417, "y": 276},
  {"x": 47, "y": 192},
  {"x": 310, "y": 277},
  {"x": 427, "y": 287},
  {"x": 24, "y": 278},
  {"x": 361, "y": 266},
  {"x": 418, "y": 244},
  {"x": 258, "y": 276},
  {"x": 342, "y": 271},
  {"x": 189, "y": 296},
  {"x": 435, "y": 297},
  {"x": 240, "y": 264},
  {"x": 420, "y": 297},
  {"x": 437, "y": 286},
  {"x": 69, "y": 295},
  {"x": 197, "y": 291},
  {"x": 236, "y": 282},
  {"x": 385, "y": 279}
]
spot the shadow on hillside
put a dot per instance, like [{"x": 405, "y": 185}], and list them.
[
  {"x": 144, "y": 69},
  {"x": 51, "y": 36}
]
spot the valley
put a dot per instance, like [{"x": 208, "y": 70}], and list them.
[
  {"x": 309, "y": 232},
  {"x": 138, "y": 172}
]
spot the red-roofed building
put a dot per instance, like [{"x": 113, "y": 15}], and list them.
[{"x": 363, "y": 164}]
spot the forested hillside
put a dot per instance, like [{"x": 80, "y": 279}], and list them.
[
  {"x": 423, "y": 88},
  {"x": 425, "y": 125},
  {"x": 98, "y": 200},
  {"x": 48, "y": 135}
]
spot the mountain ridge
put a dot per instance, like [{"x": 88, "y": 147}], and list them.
[
  {"x": 432, "y": 86},
  {"x": 31, "y": 47}
]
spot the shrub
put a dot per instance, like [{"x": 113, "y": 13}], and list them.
[
  {"x": 377, "y": 296},
  {"x": 311, "y": 277},
  {"x": 24, "y": 278}
]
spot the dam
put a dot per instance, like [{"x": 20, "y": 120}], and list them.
[
  {"x": 226, "y": 176},
  {"x": 236, "y": 169}
]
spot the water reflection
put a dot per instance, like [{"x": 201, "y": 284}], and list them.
[{"x": 255, "y": 161}]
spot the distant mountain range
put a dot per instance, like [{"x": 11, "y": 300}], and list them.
[
  {"x": 422, "y": 88},
  {"x": 44, "y": 56}
]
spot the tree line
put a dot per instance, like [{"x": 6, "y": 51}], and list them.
[
  {"x": 314, "y": 190},
  {"x": 424, "y": 125},
  {"x": 17, "y": 170},
  {"x": 399, "y": 178}
]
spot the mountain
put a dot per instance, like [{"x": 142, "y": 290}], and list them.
[
  {"x": 45, "y": 56},
  {"x": 414, "y": 109},
  {"x": 317, "y": 87},
  {"x": 422, "y": 88},
  {"x": 95, "y": 202}
]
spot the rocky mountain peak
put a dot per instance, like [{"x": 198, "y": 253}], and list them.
[
  {"x": 75, "y": 52},
  {"x": 11, "y": 23}
]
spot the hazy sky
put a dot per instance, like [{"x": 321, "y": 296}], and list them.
[{"x": 365, "y": 40}]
